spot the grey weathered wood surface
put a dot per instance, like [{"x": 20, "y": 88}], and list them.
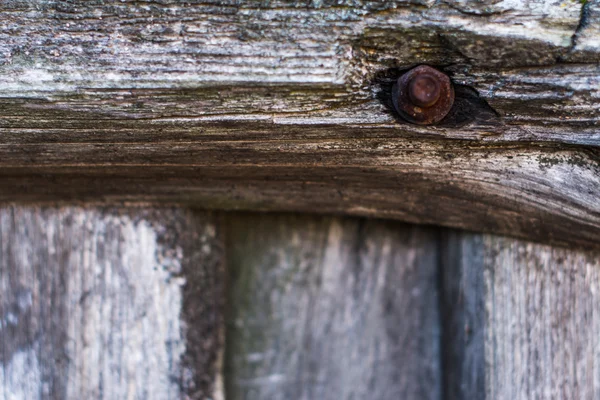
[
  {"x": 520, "y": 320},
  {"x": 329, "y": 308},
  {"x": 298, "y": 62},
  {"x": 285, "y": 106},
  {"x": 544, "y": 193},
  {"x": 108, "y": 304},
  {"x": 279, "y": 105},
  {"x": 462, "y": 307},
  {"x": 126, "y": 303}
]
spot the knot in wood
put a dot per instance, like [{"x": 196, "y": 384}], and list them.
[{"x": 423, "y": 95}]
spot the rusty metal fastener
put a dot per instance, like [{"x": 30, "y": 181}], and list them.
[{"x": 423, "y": 95}]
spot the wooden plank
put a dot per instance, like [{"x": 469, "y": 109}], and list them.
[
  {"x": 329, "y": 308},
  {"x": 532, "y": 309},
  {"x": 106, "y": 303},
  {"x": 286, "y": 106},
  {"x": 544, "y": 193},
  {"x": 162, "y": 100},
  {"x": 462, "y": 308},
  {"x": 282, "y": 62},
  {"x": 124, "y": 58}
]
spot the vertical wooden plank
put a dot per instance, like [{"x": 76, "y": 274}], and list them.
[
  {"x": 462, "y": 312},
  {"x": 539, "y": 324},
  {"x": 331, "y": 308},
  {"x": 96, "y": 303}
]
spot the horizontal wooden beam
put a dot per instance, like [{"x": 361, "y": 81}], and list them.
[
  {"x": 526, "y": 70},
  {"x": 288, "y": 107},
  {"x": 547, "y": 193}
]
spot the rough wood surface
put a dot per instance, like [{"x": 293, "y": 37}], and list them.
[
  {"x": 282, "y": 62},
  {"x": 285, "y": 105},
  {"x": 462, "y": 308},
  {"x": 328, "y": 308},
  {"x": 545, "y": 193},
  {"x": 108, "y": 304},
  {"x": 126, "y": 303},
  {"x": 521, "y": 320}
]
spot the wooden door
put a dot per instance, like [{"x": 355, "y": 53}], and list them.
[{"x": 219, "y": 200}]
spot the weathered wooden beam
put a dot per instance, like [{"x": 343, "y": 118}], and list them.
[
  {"x": 546, "y": 193},
  {"x": 286, "y": 106},
  {"x": 108, "y": 303},
  {"x": 535, "y": 62},
  {"x": 329, "y": 308},
  {"x": 520, "y": 319}
]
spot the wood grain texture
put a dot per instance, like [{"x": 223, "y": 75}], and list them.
[
  {"x": 543, "y": 193},
  {"x": 328, "y": 308},
  {"x": 285, "y": 105},
  {"x": 96, "y": 304},
  {"x": 533, "y": 309},
  {"x": 462, "y": 309},
  {"x": 281, "y": 62}
]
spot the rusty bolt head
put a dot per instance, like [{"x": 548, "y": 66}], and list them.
[{"x": 423, "y": 95}]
